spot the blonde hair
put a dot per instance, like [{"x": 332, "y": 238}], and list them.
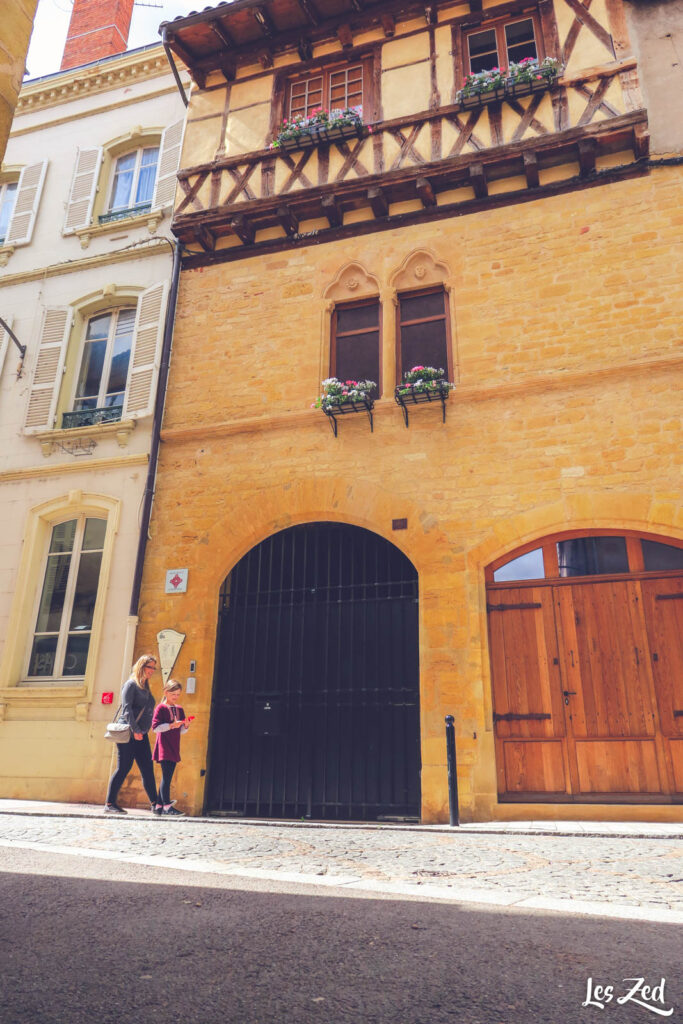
[
  {"x": 172, "y": 686},
  {"x": 138, "y": 670}
]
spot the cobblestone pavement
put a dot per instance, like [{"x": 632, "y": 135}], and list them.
[{"x": 632, "y": 872}]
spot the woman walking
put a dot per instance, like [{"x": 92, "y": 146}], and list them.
[
  {"x": 169, "y": 723},
  {"x": 137, "y": 708}
]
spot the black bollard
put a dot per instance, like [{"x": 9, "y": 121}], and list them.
[{"x": 453, "y": 809}]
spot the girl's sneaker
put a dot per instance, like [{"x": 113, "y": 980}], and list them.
[
  {"x": 173, "y": 812},
  {"x": 114, "y": 809},
  {"x": 157, "y": 809}
]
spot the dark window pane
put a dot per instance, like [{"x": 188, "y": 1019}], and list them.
[
  {"x": 358, "y": 358},
  {"x": 91, "y": 369},
  {"x": 76, "y": 655},
  {"x": 42, "y": 660},
  {"x": 52, "y": 597},
  {"x": 355, "y": 318},
  {"x": 660, "y": 557},
  {"x": 95, "y": 530},
  {"x": 63, "y": 537},
  {"x": 524, "y": 567},
  {"x": 86, "y": 590},
  {"x": 424, "y": 345},
  {"x": 418, "y": 307},
  {"x": 589, "y": 556},
  {"x": 483, "y": 51}
]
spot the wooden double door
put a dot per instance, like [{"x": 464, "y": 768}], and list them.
[{"x": 588, "y": 690}]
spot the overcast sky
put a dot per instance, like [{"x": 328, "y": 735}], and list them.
[{"x": 52, "y": 22}]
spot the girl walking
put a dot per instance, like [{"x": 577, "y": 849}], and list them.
[
  {"x": 168, "y": 723},
  {"x": 137, "y": 708}
]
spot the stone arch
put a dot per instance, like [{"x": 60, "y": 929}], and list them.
[
  {"x": 421, "y": 269},
  {"x": 351, "y": 282}
]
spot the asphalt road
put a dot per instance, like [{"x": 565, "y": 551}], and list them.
[{"x": 85, "y": 941}]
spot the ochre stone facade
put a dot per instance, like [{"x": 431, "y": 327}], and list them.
[
  {"x": 17, "y": 23},
  {"x": 565, "y": 317}
]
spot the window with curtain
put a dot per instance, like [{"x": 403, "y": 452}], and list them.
[
  {"x": 104, "y": 363},
  {"x": 133, "y": 181},
  {"x": 64, "y": 620}
]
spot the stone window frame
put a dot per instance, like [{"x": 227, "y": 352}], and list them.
[{"x": 15, "y": 688}]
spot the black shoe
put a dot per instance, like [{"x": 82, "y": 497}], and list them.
[
  {"x": 114, "y": 809},
  {"x": 172, "y": 811},
  {"x": 157, "y": 809}
]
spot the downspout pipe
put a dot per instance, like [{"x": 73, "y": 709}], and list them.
[{"x": 156, "y": 426}]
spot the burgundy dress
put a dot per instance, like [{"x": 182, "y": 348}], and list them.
[{"x": 167, "y": 746}]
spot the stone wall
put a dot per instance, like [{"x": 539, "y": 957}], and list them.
[
  {"x": 565, "y": 321},
  {"x": 17, "y": 22}
]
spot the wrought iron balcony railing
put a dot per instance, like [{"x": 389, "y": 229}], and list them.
[
  {"x": 130, "y": 211},
  {"x": 91, "y": 417}
]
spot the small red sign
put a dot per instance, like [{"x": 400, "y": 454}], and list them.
[{"x": 107, "y": 698}]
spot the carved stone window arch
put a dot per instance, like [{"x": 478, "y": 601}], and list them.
[
  {"x": 423, "y": 318},
  {"x": 353, "y": 326}
]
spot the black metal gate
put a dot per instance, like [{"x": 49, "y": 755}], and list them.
[{"x": 316, "y": 694}]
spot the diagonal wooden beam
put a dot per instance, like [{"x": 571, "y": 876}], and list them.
[
  {"x": 189, "y": 60},
  {"x": 310, "y": 11},
  {"x": 219, "y": 29},
  {"x": 264, "y": 21},
  {"x": 191, "y": 192},
  {"x": 584, "y": 16}
]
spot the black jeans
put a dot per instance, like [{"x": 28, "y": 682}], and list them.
[
  {"x": 140, "y": 752},
  {"x": 167, "y": 769}
]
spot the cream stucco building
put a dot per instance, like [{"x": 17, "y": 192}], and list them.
[{"x": 86, "y": 190}]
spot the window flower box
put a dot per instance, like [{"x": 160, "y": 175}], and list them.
[
  {"x": 342, "y": 398},
  {"x": 422, "y": 384},
  {"x": 531, "y": 76},
  {"x": 319, "y": 128},
  {"x": 519, "y": 80}
]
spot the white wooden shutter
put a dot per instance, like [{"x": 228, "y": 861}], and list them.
[
  {"x": 47, "y": 376},
  {"x": 83, "y": 188},
  {"x": 169, "y": 158},
  {"x": 144, "y": 361},
  {"x": 29, "y": 189},
  {"x": 4, "y": 340}
]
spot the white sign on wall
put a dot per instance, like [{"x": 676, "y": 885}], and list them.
[
  {"x": 176, "y": 581},
  {"x": 169, "y": 642}
]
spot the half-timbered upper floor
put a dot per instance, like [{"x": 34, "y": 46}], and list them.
[{"x": 442, "y": 120}]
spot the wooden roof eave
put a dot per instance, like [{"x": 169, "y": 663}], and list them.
[{"x": 358, "y": 18}]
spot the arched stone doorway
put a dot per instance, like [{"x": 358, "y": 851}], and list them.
[
  {"x": 586, "y": 655},
  {"x": 315, "y": 708}
]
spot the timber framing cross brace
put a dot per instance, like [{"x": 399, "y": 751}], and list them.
[{"x": 238, "y": 211}]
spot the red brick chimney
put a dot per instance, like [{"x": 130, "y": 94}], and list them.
[{"x": 98, "y": 28}]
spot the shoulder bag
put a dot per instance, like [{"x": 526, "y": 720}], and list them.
[{"x": 119, "y": 732}]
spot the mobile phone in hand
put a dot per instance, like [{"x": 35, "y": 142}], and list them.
[{"x": 190, "y": 718}]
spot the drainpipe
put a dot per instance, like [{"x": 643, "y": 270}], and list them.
[{"x": 154, "y": 447}]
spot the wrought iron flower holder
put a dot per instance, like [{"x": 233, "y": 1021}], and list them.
[
  {"x": 407, "y": 397},
  {"x": 316, "y": 136},
  {"x": 333, "y": 411}
]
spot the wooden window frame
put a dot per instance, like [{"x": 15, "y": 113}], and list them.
[
  {"x": 414, "y": 293},
  {"x": 334, "y": 334},
  {"x": 132, "y": 205},
  {"x": 550, "y": 561},
  {"x": 63, "y": 633},
  {"x": 114, "y": 313},
  {"x": 326, "y": 70},
  {"x": 498, "y": 25}
]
